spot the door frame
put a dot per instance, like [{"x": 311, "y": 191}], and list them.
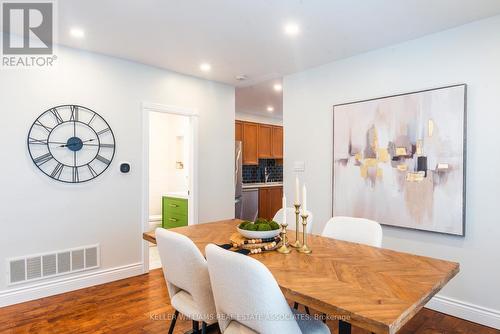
[{"x": 193, "y": 116}]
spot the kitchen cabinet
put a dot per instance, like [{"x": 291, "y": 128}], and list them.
[
  {"x": 250, "y": 143},
  {"x": 265, "y": 141},
  {"x": 270, "y": 201},
  {"x": 238, "y": 131},
  {"x": 174, "y": 212},
  {"x": 277, "y": 142},
  {"x": 260, "y": 141}
]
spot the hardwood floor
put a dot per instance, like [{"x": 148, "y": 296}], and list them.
[{"x": 141, "y": 305}]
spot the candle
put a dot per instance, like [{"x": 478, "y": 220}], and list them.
[
  {"x": 284, "y": 210},
  {"x": 297, "y": 189},
  {"x": 304, "y": 199}
]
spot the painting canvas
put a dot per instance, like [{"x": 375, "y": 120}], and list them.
[{"x": 400, "y": 160}]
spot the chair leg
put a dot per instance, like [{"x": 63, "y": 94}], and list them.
[
  {"x": 203, "y": 327},
  {"x": 196, "y": 328},
  {"x": 344, "y": 327},
  {"x": 307, "y": 310},
  {"x": 172, "y": 323},
  {"x": 295, "y": 305}
]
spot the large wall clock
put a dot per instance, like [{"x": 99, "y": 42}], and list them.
[{"x": 71, "y": 143}]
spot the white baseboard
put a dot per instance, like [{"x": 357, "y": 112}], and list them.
[
  {"x": 467, "y": 311},
  {"x": 71, "y": 283}
]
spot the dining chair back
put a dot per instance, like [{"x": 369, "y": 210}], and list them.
[
  {"x": 246, "y": 292},
  {"x": 186, "y": 274},
  {"x": 290, "y": 219},
  {"x": 359, "y": 230}
]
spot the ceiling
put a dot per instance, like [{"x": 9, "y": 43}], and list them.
[
  {"x": 257, "y": 98},
  {"x": 246, "y": 36}
]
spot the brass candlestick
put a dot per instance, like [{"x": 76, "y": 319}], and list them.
[
  {"x": 304, "y": 249},
  {"x": 296, "y": 244},
  {"x": 284, "y": 249}
]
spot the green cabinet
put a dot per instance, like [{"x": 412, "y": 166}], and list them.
[{"x": 175, "y": 212}]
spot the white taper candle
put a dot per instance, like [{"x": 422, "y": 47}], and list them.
[
  {"x": 304, "y": 199},
  {"x": 284, "y": 210},
  {"x": 297, "y": 190}
]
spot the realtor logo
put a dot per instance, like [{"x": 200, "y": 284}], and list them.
[{"x": 28, "y": 34}]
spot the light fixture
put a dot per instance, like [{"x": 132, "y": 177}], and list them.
[
  {"x": 278, "y": 87},
  {"x": 205, "y": 67},
  {"x": 270, "y": 108},
  {"x": 291, "y": 29},
  {"x": 77, "y": 32}
]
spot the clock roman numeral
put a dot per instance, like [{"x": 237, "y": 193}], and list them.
[
  {"x": 107, "y": 145},
  {"x": 38, "y": 141},
  {"x": 56, "y": 173},
  {"x": 103, "y": 160},
  {"x": 43, "y": 159},
  {"x": 93, "y": 116},
  {"x": 74, "y": 113},
  {"x": 56, "y": 114},
  {"x": 48, "y": 128},
  {"x": 92, "y": 171},
  {"x": 75, "y": 175},
  {"x": 103, "y": 131}
]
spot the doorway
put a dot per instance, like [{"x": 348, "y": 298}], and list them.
[{"x": 169, "y": 168}]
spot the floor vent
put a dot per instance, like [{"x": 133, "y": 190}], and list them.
[{"x": 35, "y": 267}]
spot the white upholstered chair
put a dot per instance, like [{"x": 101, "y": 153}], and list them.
[
  {"x": 188, "y": 282},
  {"x": 249, "y": 300},
  {"x": 290, "y": 219},
  {"x": 359, "y": 230}
]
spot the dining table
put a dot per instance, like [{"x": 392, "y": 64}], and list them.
[{"x": 373, "y": 288}]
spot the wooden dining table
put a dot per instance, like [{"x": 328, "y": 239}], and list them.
[{"x": 377, "y": 289}]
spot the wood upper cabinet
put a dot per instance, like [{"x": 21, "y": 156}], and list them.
[
  {"x": 260, "y": 141},
  {"x": 238, "y": 131},
  {"x": 265, "y": 141},
  {"x": 270, "y": 201},
  {"x": 250, "y": 143},
  {"x": 277, "y": 142}
]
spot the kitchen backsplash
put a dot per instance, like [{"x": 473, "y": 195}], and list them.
[{"x": 253, "y": 174}]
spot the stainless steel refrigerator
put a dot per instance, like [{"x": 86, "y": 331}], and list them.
[{"x": 238, "y": 179}]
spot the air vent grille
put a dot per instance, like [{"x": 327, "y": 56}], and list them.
[{"x": 61, "y": 262}]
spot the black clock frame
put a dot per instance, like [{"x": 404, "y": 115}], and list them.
[{"x": 96, "y": 133}]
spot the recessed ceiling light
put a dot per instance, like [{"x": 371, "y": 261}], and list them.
[
  {"x": 292, "y": 29},
  {"x": 205, "y": 67},
  {"x": 278, "y": 87},
  {"x": 270, "y": 108},
  {"x": 77, "y": 32}
]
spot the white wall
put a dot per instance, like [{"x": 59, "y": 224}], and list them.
[
  {"x": 164, "y": 177},
  {"x": 469, "y": 54},
  {"x": 258, "y": 118},
  {"x": 38, "y": 214}
]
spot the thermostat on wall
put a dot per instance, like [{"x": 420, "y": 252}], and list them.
[{"x": 124, "y": 167}]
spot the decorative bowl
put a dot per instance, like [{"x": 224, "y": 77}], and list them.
[{"x": 258, "y": 234}]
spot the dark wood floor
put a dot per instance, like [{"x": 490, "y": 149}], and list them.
[{"x": 141, "y": 305}]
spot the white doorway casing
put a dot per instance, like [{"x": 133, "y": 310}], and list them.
[{"x": 192, "y": 114}]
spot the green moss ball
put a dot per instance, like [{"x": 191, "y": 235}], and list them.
[
  {"x": 261, "y": 221},
  {"x": 264, "y": 227},
  {"x": 274, "y": 225},
  {"x": 251, "y": 227}
]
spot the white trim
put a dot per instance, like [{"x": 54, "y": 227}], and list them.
[
  {"x": 147, "y": 108},
  {"x": 155, "y": 218},
  {"x": 66, "y": 284},
  {"x": 475, "y": 313}
]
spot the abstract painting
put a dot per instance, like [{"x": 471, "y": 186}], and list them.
[{"x": 400, "y": 160}]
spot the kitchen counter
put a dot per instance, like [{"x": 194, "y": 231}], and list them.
[{"x": 261, "y": 185}]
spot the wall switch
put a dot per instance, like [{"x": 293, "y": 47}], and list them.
[{"x": 299, "y": 166}]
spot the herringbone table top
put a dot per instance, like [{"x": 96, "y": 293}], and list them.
[{"x": 372, "y": 288}]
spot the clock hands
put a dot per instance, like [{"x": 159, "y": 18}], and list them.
[{"x": 76, "y": 144}]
